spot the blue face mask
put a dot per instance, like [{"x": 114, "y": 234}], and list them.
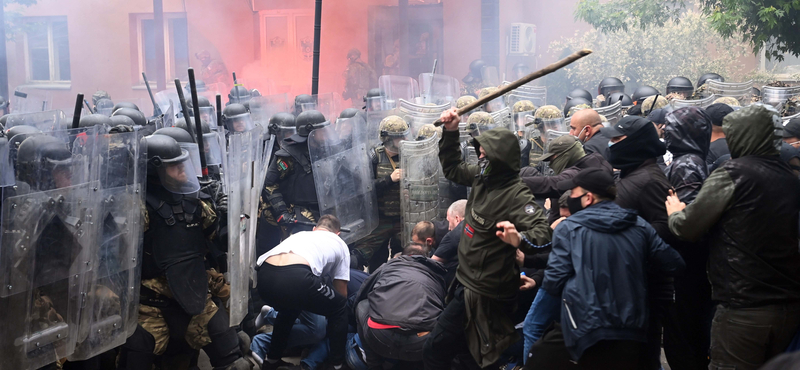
[{"x": 610, "y": 144}]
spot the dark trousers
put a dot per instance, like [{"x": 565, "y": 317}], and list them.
[
  {"x": 746, "y": 338},
  {"x": 294, "y": 288},
  {"x": 650, "y": 354},
  {"x": 687, "y": 338},
  {"x": 551, "y": 353},
  {"x": 448, "y": 340}
]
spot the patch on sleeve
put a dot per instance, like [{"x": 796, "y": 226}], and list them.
[
  {"x": 469, "y": 230},
  {"x": 530, "y": 208},
  {"x": 283, "y": 165}
]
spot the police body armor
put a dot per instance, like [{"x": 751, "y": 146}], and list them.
[
  {"x": 298, "y": 188},
  {"x": 389, "y": 200},
  {"x": 175, "y": 246}
]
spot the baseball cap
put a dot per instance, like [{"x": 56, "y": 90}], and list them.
[
  {"x": 658, "y": 116},
  {"x": 559, "y": 145},
  {"x": 596, "y": 180},
  {"x": 717, "y": 112},
  {"x": 626, "y": 126},
  {"x": 792, "y": 128}
]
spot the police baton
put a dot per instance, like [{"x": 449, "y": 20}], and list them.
[
  {"x": 534, "y": 75},
  {"x": 76, "y": 114},
  {"x": 198, "y": 126},
  {"x": 306, "y": 223}
]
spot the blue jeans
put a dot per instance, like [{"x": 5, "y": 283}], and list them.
[
  {"x": 545, "y": 309},
  {"x": 319, "y": 352},
  {"x": 308, "y": 329}
]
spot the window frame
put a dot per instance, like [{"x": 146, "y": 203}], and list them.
[
  {"x": 51, "y": 48},
  {"x": 169, "y": 45}
]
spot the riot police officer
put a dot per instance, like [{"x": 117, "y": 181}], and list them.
[
  {"x": 681, "y": 87},
  {"x": 386, "y": 167},
  {"x": 304, "y": 102},
  {"x": 289, "y": 184},
  {"x": 236, "y": 118},
  {"x": 238, "y": 95},
  {"x": 180, "y": 310},
  {"x": 473, "y": 81}
]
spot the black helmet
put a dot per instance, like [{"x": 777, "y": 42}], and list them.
[
  {"x": 309, "y": 121},
  {"x": 304, "y": 102},
  {"x": 180, "y": 135},
  {"x": 282, "y": 125},
  {"x": 580, "y": 93},
  {"x": 610, "y": 85},
  {"x": 3, "y": 120},
  {"x": 476, "y": 67},
  {"x": 348, "y": 113},
  {"x": 202, "y": 101},
  {"x": 643, "y": 92},
  {"x": 124, "y": 104},
  {"x": 680, "y": 85},
  {"x": 709, "y": 76},
  {"x": 372, "y": 93},
  {"x": 619, "y": 96},
  {"x": 181, "y": 123},
  {"x": 16, "y": 135},
  {"x": 121, "y": 121},
  {"x": 372, "y": 101},
  {"x": 137, "y": 116},
  {"x": 574, "y": 102},
  {"x": 38, "y": 157},
  {"x": 94, "y": 120},
  {"x": 239, "y": 94},
  {"x": 164, "y": 155},
  {"x": 236, "y": 118}
]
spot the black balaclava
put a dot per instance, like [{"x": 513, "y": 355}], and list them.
[{"x": 638, "y": 147}]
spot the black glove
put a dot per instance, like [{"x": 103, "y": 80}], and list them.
[
  {"x": 221, "y": 202},
  {"x": 287, "y": 219}
]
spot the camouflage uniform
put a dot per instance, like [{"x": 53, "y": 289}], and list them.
[
  {"x": 372, "y": 248},
  {"x": 577, "y": 108},
  {"x": 472, "y": 88},
  {"x": 359, "y": 78},
  {"x": 647, "y": 105},
  {"x": 729, "y": 100}
]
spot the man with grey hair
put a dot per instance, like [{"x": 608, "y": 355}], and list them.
[{"x": 447, "y": 252}]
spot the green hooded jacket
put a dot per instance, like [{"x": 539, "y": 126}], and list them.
[{"x": 486, "y": 265}]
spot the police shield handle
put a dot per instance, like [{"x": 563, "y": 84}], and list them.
[
  {"x": 505, "y": 89},
  {"x": 76, "y": 114}
]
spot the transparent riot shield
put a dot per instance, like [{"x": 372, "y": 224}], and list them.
[
  {"x": 24, "y": 102},
  {"x": 789, "y": 118},
  {"x": 612, "y": 113},
  {"x": 49, "y": 238},
  {"x": 742, "y": 91},
  {"x": 502, "y": 118},
  {"x": 44, "y": 121},
  {"x": 194, "y": 156},
  {"x": 538, "y": 98},
  {"x": 407, "y": 107},
  {"x": 167, "y": 119},
  {"x": 438, "y": 89},
  {"x": 104, "y": 107},
  {"x": 396, "y": 88},
  {"x": 419, "y": 182},
  {"x": 259, "y": 173},
  {"x": 490, "y": 76},
  {"x": 343, "y": 179},
  {"x": 777, "y": 95},
  {"x": 238, "y": 173},
  {"x": 700, "y": 103},
  {"x": 6, "y": 167},
  {"x": 111, "y": 312},
  {"x": 167, "y": 97},
  {"x": 208, "y": 115},
  {"x": 262, "y": 108}
]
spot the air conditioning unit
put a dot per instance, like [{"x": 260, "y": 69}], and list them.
[{"x": 523, "y": 39}]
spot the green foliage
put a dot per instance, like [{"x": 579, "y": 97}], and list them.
[
  {"x": 653, "y": 55},
  {"x": 769, "y": 24},
  {"x": 13, "y": 16}
]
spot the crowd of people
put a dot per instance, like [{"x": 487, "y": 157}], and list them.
[{"x": 614, "y": 232}]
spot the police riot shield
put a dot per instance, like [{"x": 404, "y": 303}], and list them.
[
  {"x": 419, "y": 115},
  {"x": 490, "y": 76},
  {"x": 612, "y": 113},
  {"x": 48, "y": 237},
  {"x": 104, "y": 107},
  {"x": 777, "y": 95},
  {"x": 238, "y": 173},
  {"x": 502, "y": 118},
  {"x": 789, "y": 118},
  {"x": 44, "y": 121},
  {"x": 262, "y": 108},
  {"x": 111, "y": 310},
  {"x": 419, "y": 182},
  {"x": 538, "y": 98},
  {"x": 343, "y": 179},
  {"x": 259, "y": 173},
  {"x": 208, "y": 115},
  {"x": 438, "y": 89},
  {"x": 6, "y": 167},
  {"x": 395, "y": 88},
  {"x": 700, "y": 103},
  {"x": 167, "y": 119},
  {"x": 167, "y": 97},
  {"x": 24, "y": 102},
  {"x": 742, "y": 91}
]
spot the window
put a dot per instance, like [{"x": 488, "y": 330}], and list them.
[
  {"x": 47, "y": 49},
  {"x": 176, "y": 46}
]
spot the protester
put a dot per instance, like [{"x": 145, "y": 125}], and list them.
[{"x": 585, "y": 125}]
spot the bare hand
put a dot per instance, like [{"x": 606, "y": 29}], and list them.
[
  {"x": 673, "y": 203},
  {"x": 520, "y": 258},
  {"x": 556, "y": 222},
  {"x": 526, "y": 283},
  {"x": 450, "y": 119},
  {"x": 508, "y": 233},
  {"x": 396, "y": 175},
  {"x": 547, "y": 204}
]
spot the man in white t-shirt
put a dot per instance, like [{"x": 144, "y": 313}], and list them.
[{"x": 291, "y": 279}]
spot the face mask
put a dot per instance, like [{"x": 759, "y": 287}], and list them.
[
  {"x": 578, "y": 136},
  {"x": 485, "y": 166},
  {"x": 574, "y": 204},
  {"x": 610, "y": 144}
]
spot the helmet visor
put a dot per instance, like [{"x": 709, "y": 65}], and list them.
[
  {"x": 194, "y": 156},
  {"x": 179, "y": 175},
  {"x": 213, "y": 150},
  {"x": 239, "y": 123},
  {"x": 209, "y": 117}
]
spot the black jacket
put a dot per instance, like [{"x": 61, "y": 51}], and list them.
[
  {"x": 407, "y": 291},
  {"x": 716, "y": 149},
  {"x": 749, "y": 208},
  {"x": 596, "y": 144},
  {"x": 600, "y": 259},
  {"x": 687, "y": 135}
]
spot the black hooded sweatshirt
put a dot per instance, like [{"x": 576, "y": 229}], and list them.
[{"x": 687, "y": 133}]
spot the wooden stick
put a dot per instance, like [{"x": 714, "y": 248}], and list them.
[{"x": 534, "y": 75}]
